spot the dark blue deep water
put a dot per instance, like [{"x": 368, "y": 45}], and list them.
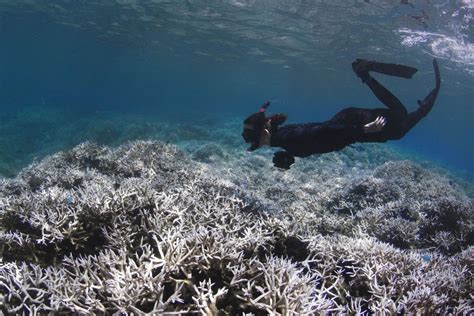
[{"x": 66, "y": 67}]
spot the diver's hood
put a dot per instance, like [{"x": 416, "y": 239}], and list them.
[{"x": 253, "y": 126}]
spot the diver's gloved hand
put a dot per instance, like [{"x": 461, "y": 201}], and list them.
[{"x": 283, "y": 159}]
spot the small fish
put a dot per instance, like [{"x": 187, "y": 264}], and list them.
[
  {"x": 426, "y": 257},
  {"x": 70, "y": 200}
]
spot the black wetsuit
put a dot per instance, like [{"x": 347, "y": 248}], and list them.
[
  {"x": 347, "y": 126},
  {"x": 303, "y": 140}
]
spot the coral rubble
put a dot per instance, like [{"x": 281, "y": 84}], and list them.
[{"x": 144, "y": 228}]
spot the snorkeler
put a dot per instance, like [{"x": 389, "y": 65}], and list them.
[{"x": 349, "y": 126}]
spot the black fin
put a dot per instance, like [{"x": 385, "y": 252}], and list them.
[
  {"x": 437, "y": 75},
  {"x": 395, "y": 70}
]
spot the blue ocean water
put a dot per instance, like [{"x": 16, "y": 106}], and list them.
[
  {"x": 141, "y": 227},
  {"x": 63, "y": 62}
]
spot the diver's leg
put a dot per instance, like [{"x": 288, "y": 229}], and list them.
[
  {"x": 385, "y": 96},
  {"x": 425, "y": 105},
  {"x": 410, "y": 121},
  {"x": 413, "y": 118}
]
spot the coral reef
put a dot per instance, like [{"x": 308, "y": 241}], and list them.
[{"x": 144, "y": 228}]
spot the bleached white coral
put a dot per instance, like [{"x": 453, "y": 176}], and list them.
[{"x": 143, "y": 229}]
